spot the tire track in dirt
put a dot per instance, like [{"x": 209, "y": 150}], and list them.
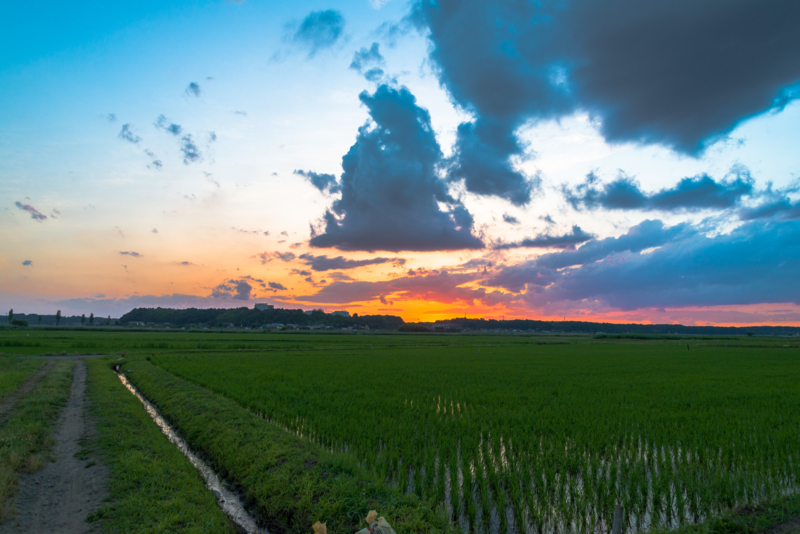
[
  {"x": 65, "y": 492},
  {"x": 10, "y": 401}
]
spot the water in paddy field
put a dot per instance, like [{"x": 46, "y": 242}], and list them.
[{"x": 227, "y": 500}]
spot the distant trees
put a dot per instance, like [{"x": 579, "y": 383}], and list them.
[
  {"x": 10, "y": 315},
  {"x": 19, "y": 322},
  {"x": 58, "y": 317},
  {"x": 39, "y": 322},
  {"x": 91, "y": 319},
  {"x": 83, "y": 318}
]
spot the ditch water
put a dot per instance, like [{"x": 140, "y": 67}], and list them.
[{"x": 227, "y": 499}]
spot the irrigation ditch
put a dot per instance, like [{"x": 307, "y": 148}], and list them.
[{"x": 227, "y": 499}]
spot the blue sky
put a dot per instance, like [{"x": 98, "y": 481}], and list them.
[{"x": 148, "y": 156}]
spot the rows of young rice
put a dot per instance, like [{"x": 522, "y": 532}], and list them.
[{"x": 542, "y": 438}]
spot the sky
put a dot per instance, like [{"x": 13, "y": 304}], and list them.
[{"x": 616, "y": 161}]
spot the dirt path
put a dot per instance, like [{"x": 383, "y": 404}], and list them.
[
  {"x": 26, "y": 386},
  {"x": 58, "y": 498}
]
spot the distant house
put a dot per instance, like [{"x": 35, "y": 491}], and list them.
[
  {"x": 342, "y": 313},
  {"x": 135, "y": 323},
  {"x": 264, "y": 306}
]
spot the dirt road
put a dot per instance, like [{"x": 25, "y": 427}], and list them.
[{"x": 58, "y": 498}]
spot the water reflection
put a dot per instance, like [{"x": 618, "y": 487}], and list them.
[{"x": 227, "y": 500}]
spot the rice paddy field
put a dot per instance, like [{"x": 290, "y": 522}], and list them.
[{"x": 492, "y": 433}]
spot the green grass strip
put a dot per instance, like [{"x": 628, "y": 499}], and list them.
[
  {"x": 288, "y": 482},
  {"x": 26, "y": 434},
  {"x": 14, "y": 371},
  {"x": 153, "y": 487}
]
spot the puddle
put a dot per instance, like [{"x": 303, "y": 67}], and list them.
[{"x": 226, "y": 499}]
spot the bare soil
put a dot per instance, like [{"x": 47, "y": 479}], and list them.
[{"x": 67, "y": 490}]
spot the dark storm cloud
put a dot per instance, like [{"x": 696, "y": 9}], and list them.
[
  {"x": 130, "y": 253},
  {"x": 232, "y": 289},
  {"x": 368, "y": 61},
  {"x": 755, "y": 263},
  {"x": 194, "y": 89},
  {"x": 391, "y": 192},
  {"x": 191, "y": 153},
  {"x": 319, "y": 30},
  {"x": 326, "y": 183},
  {"x": 774, "y": 205},
  {"x": 27, "y": 263},
  {"x": 276, "y": 285},
  {"x": 34, "y": 213},
  {"x": 162, "y": 123},
  {"x": 483, "y": 160},
  {"x": 567, "y": 241},
  {"x": 690, "y": 194},
  {"x": 680, "y": 73},
  {"x": 127, "y": 134},
  {"x": 324, "y": 263},
  {"x": 510, "y": 219}
]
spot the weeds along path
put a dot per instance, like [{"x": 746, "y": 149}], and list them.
[
  {"x": 66, "y": 491},
  {"x": 11, "y": 400}
]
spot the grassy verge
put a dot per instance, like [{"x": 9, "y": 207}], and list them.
[
  {"x": 14, "y": 371},
  {"x": 287, "y": 481},
  {"x": 26, "y": 435},
  {"x": 746, "y": 520},
  {"x": 152, "y": 486}
]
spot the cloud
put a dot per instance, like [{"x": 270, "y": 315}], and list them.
[
  {"x": 212, "y": 137},
  {"x": 567, "y": 241},
  {"x": 194, "y": 89},
  {"x": 510, "y": 219},
  {"x": 690, "y": 194},
  {"x": 155, "y": 163},
  {"x": 276, "y": 285},
  {"x": 186, "y": 263},
  {"x": 111, "y": 117},
  {"x": 326, "y": 183},
  {"x": 320, "y": 30},
  {"x": 440, "y": 287},
  {"x": 34, "y": 213},
  {"x": 127, "y": 134},
  {"x": 680, "y": 74},
  {"x": 154, "y": 230},
  {"x": 324, "y": 263},
  {"x": 27, "y": 263},
  {"x": 162, "y": 123},
  {"x": 267, "y": 257},
  {"x": 232, "y": 289},
  {"x": 191, "y": 154},
  {"x": 392, "y": 197},
  {"x": 130, "y": 253},
  {"x": 367, "y": 61},
  {"x": 654, "y": 266},
  {"x": 773, "y": 205}
]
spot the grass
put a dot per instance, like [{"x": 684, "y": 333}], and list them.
[
  {"x": 654, "y": 427},
  {"x": 14, "y": 371},
  {"x": 26, "y": 435},
  {"x": 153, "y": 487},
  {"x": 288, "y": 482}
]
